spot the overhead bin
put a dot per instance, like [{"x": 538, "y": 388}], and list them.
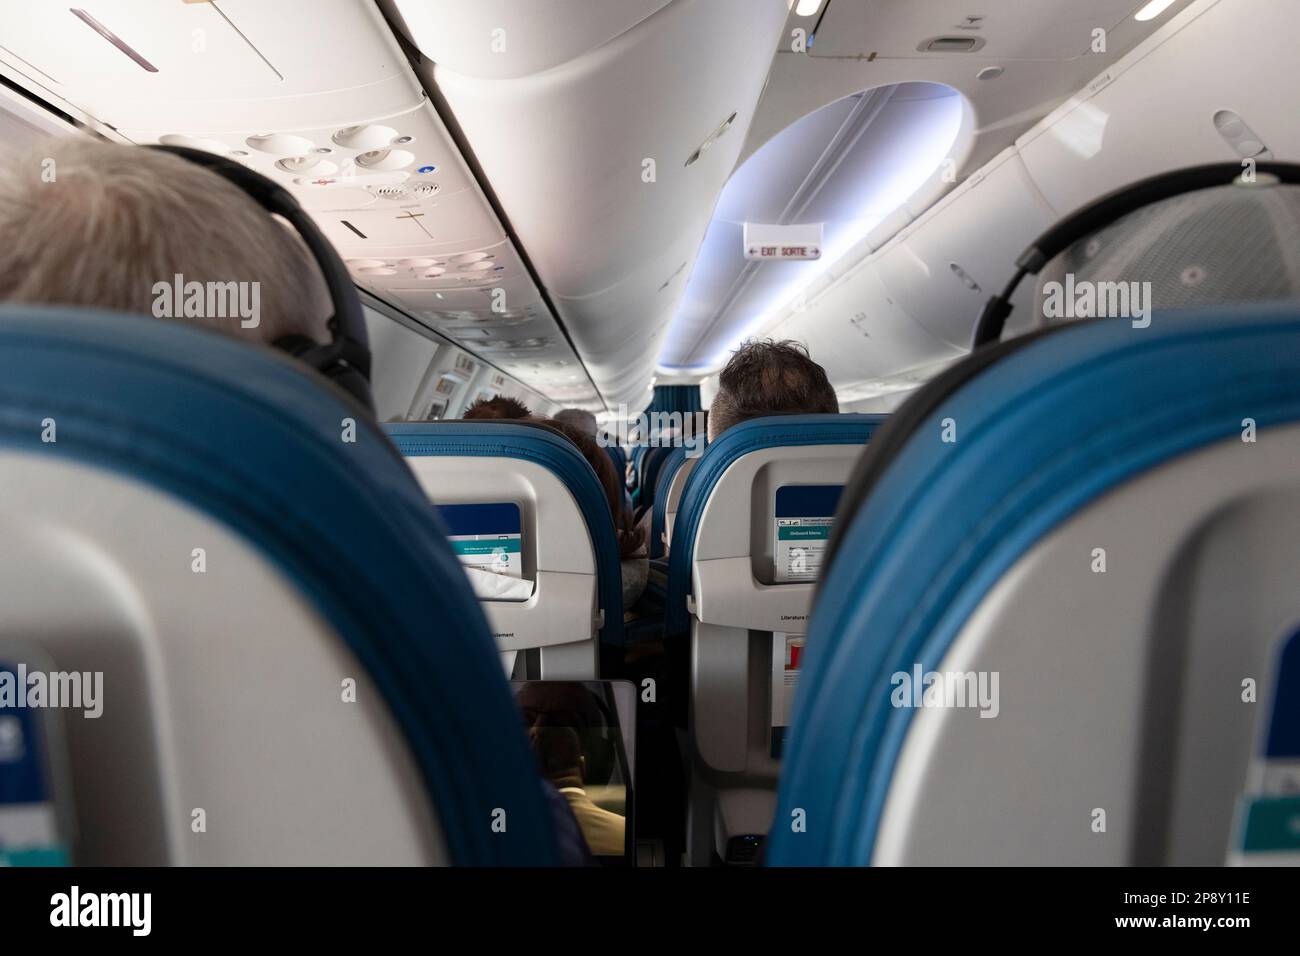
[
  {"x": 1131, "y": 127},
  {"x": 941, "y": 270},
  {"x": 602, "y": 123}
]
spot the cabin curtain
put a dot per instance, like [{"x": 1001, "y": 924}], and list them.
[{"x": 675, "y": 398}]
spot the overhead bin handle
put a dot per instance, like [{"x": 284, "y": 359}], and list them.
[{"x": 1102, "y": 212}]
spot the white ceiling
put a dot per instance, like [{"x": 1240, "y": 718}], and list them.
[
  {"x": 1045, "y": 49},
  {"x": 846, "y": 167},
  {"x": 318, "y": 95},
  {"x": 861, "y": 45},
  {"x": 561, "y": 103},
  {"x": 510, "y": 39}
]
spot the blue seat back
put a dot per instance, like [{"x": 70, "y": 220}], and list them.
[
  {"x": 659, "y": 506},
  {"x": 1056, "y": 424},
  {"x": 554, "y": 452},
  {"x": 292, "y": 466},
  {"x": 619, "y": 458},
  {"x": 638, "y": 460},
  {"x": 736, "y": 442},
  {"x": 651, "y": 466}
]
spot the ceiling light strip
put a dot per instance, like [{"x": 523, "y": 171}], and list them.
[
  {"x": 1153, "y": 10},
  {"x": 112, "y": 38}
]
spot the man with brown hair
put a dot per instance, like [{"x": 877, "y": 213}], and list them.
[
  {"x": 498, "y": 406},
  {"x": 766, "y": 377}
]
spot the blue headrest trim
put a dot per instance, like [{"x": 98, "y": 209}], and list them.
[
  {"x": 619, "y": 458},
  {"x": 252, "y": 439},
  {"x": 659, "y": 508},
  {"x": 736, "y": 442},
  {"x": 651, "y": 466},
  {"x": 638, "y": 459},
  {"x": 1045, "y": 431},
  {"x": 554, "y": 452}
]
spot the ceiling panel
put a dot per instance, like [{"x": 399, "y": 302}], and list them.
[
  {"x": 232, "y": 64},
  {"x": 855, "y": 161},
  {"x": 317, "y": 95},
  {"x": 496, "y": 39},
  {"x": 1008, "y": 29}
]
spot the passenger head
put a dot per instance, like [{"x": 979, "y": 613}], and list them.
[
  {"x": 89, "y": 223},
  {"x": 558, "y": 750},
  {"x": 498, "y": 406},
  {"x": 631, "y": 538},
  {"x": 568, "y": 703},
  {"x": 579, "y": 418},
  {"x": 764, "y": 377}
]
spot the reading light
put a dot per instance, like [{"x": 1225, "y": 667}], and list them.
[
  {"x": 1153, "y": 9},
  {"x": 809, "y": 8}
]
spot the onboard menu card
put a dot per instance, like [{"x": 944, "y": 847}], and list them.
[
  {"x": 486, "y": 536},
  {"x": 802, "y": 529}
]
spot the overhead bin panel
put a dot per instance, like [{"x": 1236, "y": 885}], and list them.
[
  {"x": 999, "y": 29},
  {"x": 448, "y": 225},
  {"x": 942, "y": 269},
  {"x": 502, "y": 39},
  {"x": 858, "y": 331},
  {"x": 235, "y": 64},
  {"x": 1131, "y": 127},
  {"x": 638, "y": 135},
  {"x": 515, "y": 294}
]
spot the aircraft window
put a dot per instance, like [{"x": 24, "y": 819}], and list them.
[
  {"x": 399, "y": 360},
  {"x": 435, "y": 410}
]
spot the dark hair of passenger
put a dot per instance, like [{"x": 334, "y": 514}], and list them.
[
  {"x": 631, "y": 537},
  {"x": 767, "y": 377},
  {"x": 498, "y": 406},
  {"x": 578, "y": 418}
]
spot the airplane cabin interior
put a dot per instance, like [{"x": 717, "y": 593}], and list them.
[{"x": 649, "y": 434}]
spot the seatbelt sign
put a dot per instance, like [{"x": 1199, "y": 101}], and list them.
[{"x": 773, "y": 241}]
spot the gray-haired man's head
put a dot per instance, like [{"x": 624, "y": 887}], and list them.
[{"x": 89, "y": 223}]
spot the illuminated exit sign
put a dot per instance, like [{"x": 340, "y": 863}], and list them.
[{"x": 770, "y": 241}]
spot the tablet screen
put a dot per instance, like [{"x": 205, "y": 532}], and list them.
[
  {"x": 486, "y": 536},
  {"x": 802, "y": 529}
]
